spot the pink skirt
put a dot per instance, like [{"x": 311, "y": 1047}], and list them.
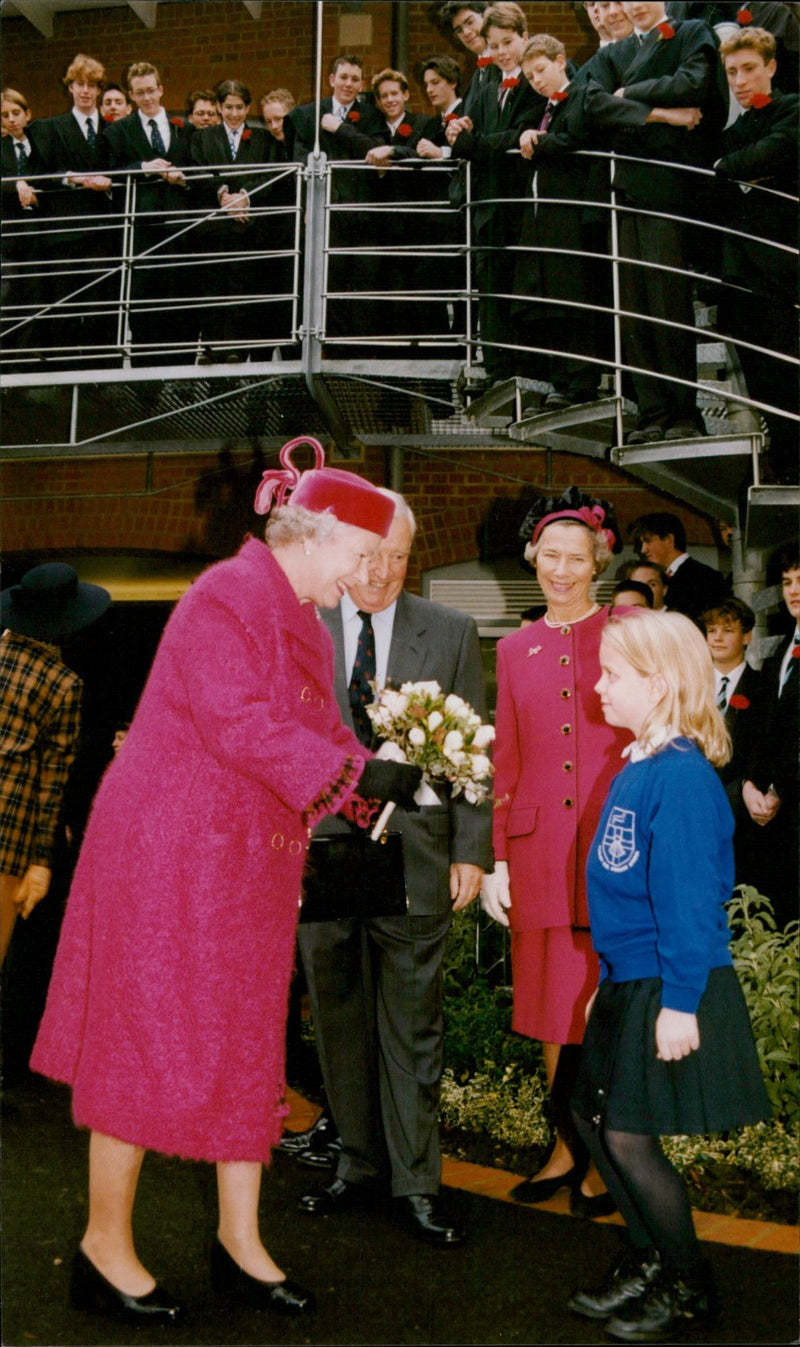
[{"x": 555, "y": 971}]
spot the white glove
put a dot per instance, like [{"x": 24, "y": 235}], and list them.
[{"x": 496, "y": 893}]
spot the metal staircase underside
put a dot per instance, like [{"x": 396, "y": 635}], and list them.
[{"x": 431, "y": 404}]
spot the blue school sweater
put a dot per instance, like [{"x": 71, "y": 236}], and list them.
[{"x": 659, "y": 870}]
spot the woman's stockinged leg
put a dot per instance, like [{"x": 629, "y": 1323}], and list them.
[
  {"x": 114, "y": 1168},
  {"x": 239, "y": 1186}
]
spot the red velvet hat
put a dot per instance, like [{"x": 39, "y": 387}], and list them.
[{"x": 349, "y": 497}]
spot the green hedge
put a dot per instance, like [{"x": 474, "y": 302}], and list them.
[{"x": 494, "y": 1084}]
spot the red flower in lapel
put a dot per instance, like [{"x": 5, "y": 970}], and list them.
[
  {"x": 108, "y": 120},
  {"x": 560, "y": 95},
  {"x": 176, "y": 122},
  {"x": 796, "y": 652},
  {"x": 483, "y": 61},
  {"x": 451, "y": 116},
  {"x": 739, "y": 701},
  {"x": 510, "y": 83},
  {"x": 247, "y": 133},
  {"x": 405, "y": 130},
  {"x": 666, "y": 31},
  {"x": 760, "y": 101},
  {"x": 353, "y": 116},
  {"x": 744, "y": 16}
]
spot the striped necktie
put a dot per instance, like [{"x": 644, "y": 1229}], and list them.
[
  {"x": 722, "y": 698},
  {"x": 91, "y": 134},
  {"x": 156, "y": 138},
  {"x": 22, "y": 158}
]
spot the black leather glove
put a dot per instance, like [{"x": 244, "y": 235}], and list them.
[{"x": 397, "y": 781}]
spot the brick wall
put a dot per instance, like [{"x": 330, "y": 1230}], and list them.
[
  {"x": 198, "y": 43},
  {"x": 184, "y": 503}
]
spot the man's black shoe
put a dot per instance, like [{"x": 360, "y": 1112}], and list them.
[
  {"x": 427, "y": 1222},
  {"x": 318, "y": 1147},
  {"x": 627, "y": 1279},
  {"x": 338, "y": 1195}
]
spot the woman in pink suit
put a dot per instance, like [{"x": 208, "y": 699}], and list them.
[
  {"x": 167, "y": 1008},
  {"x": 554, "y": 758}
]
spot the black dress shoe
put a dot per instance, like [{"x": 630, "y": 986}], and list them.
[
  {"x": 428, "y": 1224},
  {"x": 589, "y": 1208},
  {"x": 672, "y": 1303},
  {"x": 234, "y": 1284},
  {"x": 540, "y": 1190},
  {"x": 325, "y": 1158},
  {"x": 627, "y": 1279},
  {"x": 90, "y": 1290},
  {"x": 338, "y": 1195},
  {"x": 322, "y": 1132}
]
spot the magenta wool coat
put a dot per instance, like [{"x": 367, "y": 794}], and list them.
[
  {"x": 554, "y": 758},
  {"x": 167, "y": 1007}
]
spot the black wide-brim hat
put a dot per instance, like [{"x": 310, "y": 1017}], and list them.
[{"x": 50, "y": 602}]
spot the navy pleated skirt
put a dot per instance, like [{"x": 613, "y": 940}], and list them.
[{"x": 622, "y": 1084}]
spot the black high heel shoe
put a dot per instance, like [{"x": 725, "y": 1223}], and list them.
[
  {"x": 540, "y": 1190},
  {"x": 234, "y": 1284},
  {"x": 90, "y": 1290}
]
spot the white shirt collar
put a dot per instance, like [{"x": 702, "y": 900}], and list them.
[
  {"x": 657, "y": 739},
  {"x": 340, "y": 108},
  {"x": 732, "y": 676},
  {"x": 454, "y": 104},
  {"x": 83, "y": 117},
  {"x": 397, "y": 122},
  {"x": 677, "y": 563},
  {"x": 161, "y": 119}
]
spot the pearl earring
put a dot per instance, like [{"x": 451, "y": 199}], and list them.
[{"x": 307, "y": 549}]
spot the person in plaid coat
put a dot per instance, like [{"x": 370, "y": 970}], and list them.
[{"x": 40, "y": 719}]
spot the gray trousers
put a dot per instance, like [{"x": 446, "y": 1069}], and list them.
[{"x": 376, "y": 995}]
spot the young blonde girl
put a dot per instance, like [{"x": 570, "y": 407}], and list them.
[{"x": 668, "y": 1047}]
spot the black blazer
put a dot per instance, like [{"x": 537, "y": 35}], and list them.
[
  {"x": 761, "y": 146},
  {"x": 775, "y": 756},
  {"x": 695, "y": 587},
  {"x": 9, "y": 167},
  {"x": 124, "y": 144},
  {"x": 356, "y": 135},
  {"x": 490, "y": 74},
  {"x": 65, "y": 149},
  {"x": 744, "y": 721},
  {"x": 496, "y": 173},
  {"x": 675, "y": 72}
]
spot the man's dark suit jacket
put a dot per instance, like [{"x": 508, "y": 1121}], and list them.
[
  {"x": 125, "y": 145},
  {"x": 775, "y": 763},
  {"x": 429, "y": 641},
  {"x": 495, "y": 173},
  {"x": 490, "y": 74},
  {"x": 743, "y": 720},
  {"x": 210, "y": 148},
  {"x": 65, "y": 149},
  {"x": 672, "y": 72},
  {"x": 761, "y": 146},
  {"x": 9, "y": 168},
  {"x": 695, "y": 587}
]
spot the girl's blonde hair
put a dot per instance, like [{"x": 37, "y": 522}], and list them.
[{"x": 670, "y": 645}]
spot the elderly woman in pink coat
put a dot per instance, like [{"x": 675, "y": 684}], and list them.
[
  {"x": 554, "y": 759},
  {"x": 167, "y": 1008}
]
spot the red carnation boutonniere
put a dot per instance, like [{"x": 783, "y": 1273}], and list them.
[
  {"x": 108, "y": 120},
  {"x": 247, "y": 133},
  {"x": 353, "y": 116},
  {"x": 450, "y": 117},
  {"x": 510, "y": 83},
  {"x": 796, "y": 652},
  {"x": 484, "y": 61},
  {"x": 760, "y": 101},
  {"x": 743, "y": 16},
  {"x": 666, "y": 31},
  {"x": 739, "y": 702},
  {"x": 404, "y": 130},
  {"x": 559, "y": 95},
  {"x": 177, "y": 122}
]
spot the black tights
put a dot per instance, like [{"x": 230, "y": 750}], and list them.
[{"x": 648, "y": 1190}]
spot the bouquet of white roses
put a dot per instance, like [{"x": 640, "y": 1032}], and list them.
[{"x": 441, "y": 734}]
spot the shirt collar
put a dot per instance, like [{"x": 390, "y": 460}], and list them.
[
  {"x": 339, "y": 108},
  {"x": 160, "y": 118},
  {"x": 83, "y": 117},
  {"x": 454, "y": 104}
]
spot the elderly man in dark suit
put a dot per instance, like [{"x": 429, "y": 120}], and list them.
[
  {"x": 693, "y": 587},
  {"x": 155, "y": 147},
  {"x": 376, "y": 985}
]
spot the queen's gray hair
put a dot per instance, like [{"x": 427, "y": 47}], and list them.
[
  {"x": 601, "y": 552},
  {"x": 294, "y": 523}
]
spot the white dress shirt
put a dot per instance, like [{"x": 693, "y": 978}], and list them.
[{"x": 382, "y": 625}]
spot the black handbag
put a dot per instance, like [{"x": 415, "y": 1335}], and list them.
[{"x": 349, "y": 876}]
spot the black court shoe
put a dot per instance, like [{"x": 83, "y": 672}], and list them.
[
  {"x": 90, "y": 1290},
  {"x": 231, "y": 1282}
]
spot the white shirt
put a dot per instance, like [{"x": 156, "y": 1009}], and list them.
[
  {"x": 82, "y": 118},
  {"x": 392, "y": 126},
  {"x": 162, "y": 122},
  {"x": 677, "y": 563},
  {"x": 382, "y": 624},
  {"x": 340, "y": 110},
  {"x": 234, "y": 138},
  {"x": 733, "y": 678}
]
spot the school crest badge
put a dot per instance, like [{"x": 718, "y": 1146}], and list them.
[{"x": 617, "y": 851}]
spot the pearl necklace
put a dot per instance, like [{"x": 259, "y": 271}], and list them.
[{"x": 570, "y": 621}]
